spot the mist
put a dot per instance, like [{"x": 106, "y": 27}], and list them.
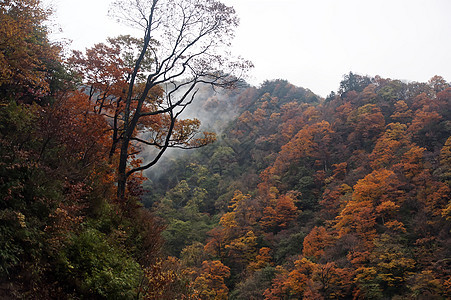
[{"x": 214, "y": 107}]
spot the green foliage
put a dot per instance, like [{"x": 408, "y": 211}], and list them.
[
  {"x": 353, "y": 82},
  {"x": 393, "y": 264},
  {"x": 369, "y": 166},
  {"x": 186, "y": 223},
  {"x": 98, "y": 268},
  {"x": 12, "y": 237},
  {"x": 26, "y": 196},
  {"x": 252, "y": 287},
  {"x": 180, "y": 233},
  {"x": 17, "y": 119},
  {"x": 61, "y": 235},
  {"x": 288, "y": 245},
  {"x": 392, "y": 91}
]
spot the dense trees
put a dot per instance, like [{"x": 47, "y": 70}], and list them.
[
  {"x": 62, "y": 234},
  {"x": 300, "y": 197},
  {"x": 337, "y": 199},
  {"x": 28, "y": 62},
  {"x": 62, "y": 124}
]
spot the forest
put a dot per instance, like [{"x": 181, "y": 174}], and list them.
[{"x": 109, "y": 191}]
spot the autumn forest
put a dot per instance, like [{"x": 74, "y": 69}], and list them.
[{"x": 150, "y": 169}]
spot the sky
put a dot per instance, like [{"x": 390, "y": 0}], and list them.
[{"x": 312, "y": 44}]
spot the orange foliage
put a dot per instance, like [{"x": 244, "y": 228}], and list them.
[
  {"x": 315, "y": 242},
  {"x": 435, "y": 197},
  {"x": 334, "y": 200},
  {"x": 373, "y": 197},
  {"x": 262, "y": 260},
  {"x": 25, "y": 51},
  {"x": 423, "y": 120},
  {"x": 390, "y": 146},
  {"x": 300, "y": 279},
  {"x": 159, "y": 278},
  {"x": 367, "y": 122},
  {"x": 279, "y": 212},
  {"x": 279, "y": 288},
  {"x": 310, "y": 142},
  {"x": 242, "y": 249},
  {"x": 235, "y": 237},
  {"x": 216, "y": 242},
  {"x": 244, "y": 213},
  {"x": 402, "y": 112},
  {"x": 209, "y": 284}
]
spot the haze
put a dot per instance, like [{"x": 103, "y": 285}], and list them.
[{"x": 310, "y": 43}]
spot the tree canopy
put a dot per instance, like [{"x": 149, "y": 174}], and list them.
[{"x": 293, "y": 197}]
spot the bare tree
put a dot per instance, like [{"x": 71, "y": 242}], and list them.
[{"x": 193, "y": 41}]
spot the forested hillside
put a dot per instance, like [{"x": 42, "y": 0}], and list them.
[
  {"x": 291, "y": 197},
  {"x": 309, "y": 198},
  {"x": 63, "y": 232}
]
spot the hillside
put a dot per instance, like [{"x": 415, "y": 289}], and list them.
[
  {"x": 304, "y": 197},
  {"x": 277, "y": 194}
]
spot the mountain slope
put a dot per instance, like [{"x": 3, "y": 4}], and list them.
[{"x": 304, "y": 197}]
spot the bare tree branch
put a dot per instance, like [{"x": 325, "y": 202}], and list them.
[{"x": 192, "y": 36}]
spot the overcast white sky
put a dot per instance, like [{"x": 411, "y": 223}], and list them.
[{"x": 311, "y": 43}]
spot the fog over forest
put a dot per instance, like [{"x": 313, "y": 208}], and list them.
[{"x": 224, "y": 152}]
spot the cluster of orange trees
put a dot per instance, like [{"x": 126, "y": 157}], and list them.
[
  {"x": 346, "y": 197},
  {"x": 299, "y": 198}
]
